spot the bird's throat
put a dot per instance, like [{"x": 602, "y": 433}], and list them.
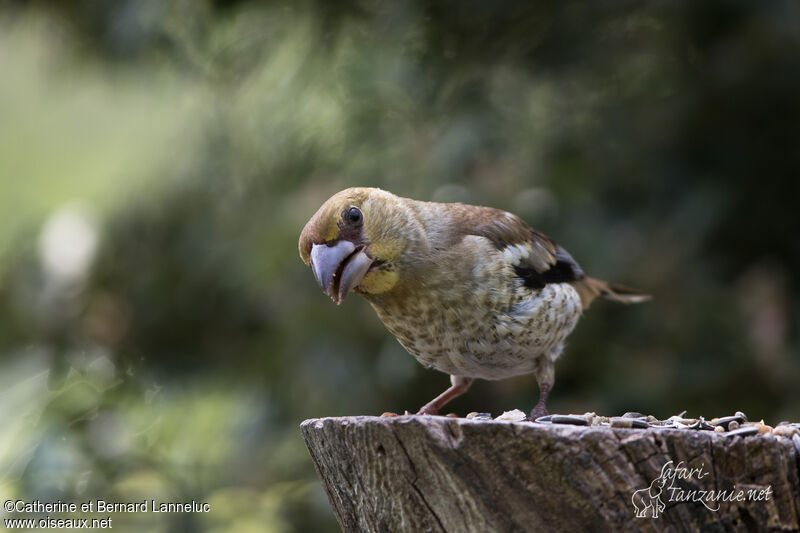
[{"x": 378, "y": 281}]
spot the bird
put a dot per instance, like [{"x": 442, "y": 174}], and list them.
[{"x": 470, "y": 291}]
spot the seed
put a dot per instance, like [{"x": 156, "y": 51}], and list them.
[
  {"x": 725, "y": 421},
  {"x": 622, "y": 422},
  {"x": 575, "y": 420},
  {"x": 785, "y": 430},
  {"x": 512, "y": 416},
  {"x": 745, "y": 431},
  {"x": 762, "y": 427},
  {"x": 633, "y": 414},
  {"x": 703, "y": 425},
  {"x": 680, "y": 420}
]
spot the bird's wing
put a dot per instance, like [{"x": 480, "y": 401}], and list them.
[{"x": 535, "y": 258}]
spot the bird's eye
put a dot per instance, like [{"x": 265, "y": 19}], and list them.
[{"x": 353, "y": 216}]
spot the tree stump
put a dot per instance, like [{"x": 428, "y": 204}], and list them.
[{"x": 430, "y": 473}]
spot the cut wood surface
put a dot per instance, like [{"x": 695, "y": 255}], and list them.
[{"x": 430, "y": 473}]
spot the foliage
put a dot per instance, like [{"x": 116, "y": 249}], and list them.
[{"x": 160, "y": 336}]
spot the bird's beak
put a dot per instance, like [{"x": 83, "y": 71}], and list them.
[{"x": 339, "y": 268}]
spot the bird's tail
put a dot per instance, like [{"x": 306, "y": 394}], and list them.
[{"x": 590, "y": 288}]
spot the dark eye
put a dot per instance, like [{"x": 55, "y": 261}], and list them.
[{"x": 353, "y": 216}]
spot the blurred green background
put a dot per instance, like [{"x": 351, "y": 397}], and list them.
[{"x": 159, "y": 335}]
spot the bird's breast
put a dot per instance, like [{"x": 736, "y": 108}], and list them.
[{"x": 483, "y": 331}]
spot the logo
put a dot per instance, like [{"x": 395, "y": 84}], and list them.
[
  {"x": 649, "y": 499},
  {"x": 677, "y": 483}
]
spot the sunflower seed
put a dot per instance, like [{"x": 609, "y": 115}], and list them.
[
  {"x": 621, "y": 422},
  {"x": 786, "y": 430},
  {"x": 574, "y": 420},
  {"x": 745, "y": 431},
  {"x": 725, "y": 421},
  {"x": 633, "y": 414},
  {"x": 512, "y": 416}
]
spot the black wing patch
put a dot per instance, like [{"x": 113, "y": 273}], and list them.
[
  {"x": 536, "y": 259},
  {"x": 565, "y": 269}
]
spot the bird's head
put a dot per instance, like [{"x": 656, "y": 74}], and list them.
[{"x": 355, "y": 241}]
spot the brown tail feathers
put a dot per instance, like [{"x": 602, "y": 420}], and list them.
[{"x": 590, "y": 288}]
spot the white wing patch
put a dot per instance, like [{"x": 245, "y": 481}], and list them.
[
  {"x": 516, "y": 254},
  {"x": 528, "y": 254}
]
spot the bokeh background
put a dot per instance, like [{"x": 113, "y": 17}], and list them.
[{"x": 159, "y": 335}]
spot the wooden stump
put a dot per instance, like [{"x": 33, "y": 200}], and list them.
[{"x": 422, "y": 473}]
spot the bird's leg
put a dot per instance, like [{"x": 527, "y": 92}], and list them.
[
  {"x": 545, "y": 374},
  {"x": 459, "y": 386},
  {"x": 541, "y": 409}
]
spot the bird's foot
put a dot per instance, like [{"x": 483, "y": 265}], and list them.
[
  {"x": 539, "y": 410},
  {"x": 544, "y": 391},
  {"x": 428, "y": 409}
]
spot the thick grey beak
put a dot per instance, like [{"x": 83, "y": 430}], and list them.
[{"x": 339, "y": 268}]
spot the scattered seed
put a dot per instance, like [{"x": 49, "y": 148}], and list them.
[
  {"x": 702, "y": 425},
  {"x": 600, "y": 421},
  {"x": 512, "y": 416},
  {"x": 763, "y": 428},
  {"x": 633, "y": 414},
  {"x": 725, "y": 421},
  {"x": 575, "y": 420},
  {"x": 678, "y": 419},
  {"x": 786, "y": 430},
  {"x": 745, "y": 431},
  {"x": 622, "y": 422},
  {"x": 694, "y": 425},
  {"x": 734, "y": 425}
]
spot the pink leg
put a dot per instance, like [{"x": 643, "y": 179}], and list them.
[
  {"x": 545, "y": 375},
  {"x": 459, "y": 386},
  {"x": 541, "y": 409}
]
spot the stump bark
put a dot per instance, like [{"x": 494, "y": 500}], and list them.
[{"x": 423, "y": 473}]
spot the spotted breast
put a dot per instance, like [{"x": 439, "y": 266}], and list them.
[{"x": 481, "y": 321}]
